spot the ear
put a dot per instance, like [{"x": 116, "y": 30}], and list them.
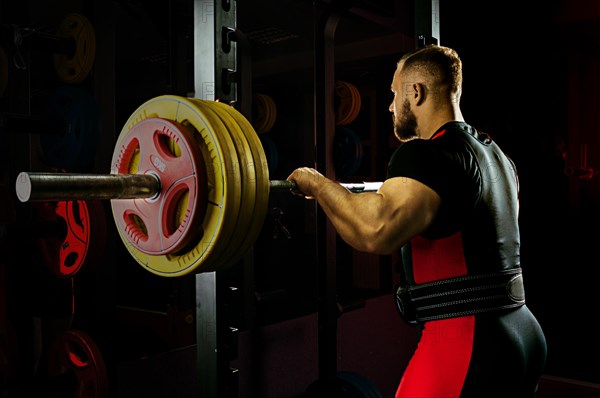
[{"x": 419, "y": 93}]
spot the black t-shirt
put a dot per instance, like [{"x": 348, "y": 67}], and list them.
[
  {"x": 478, "y": 187},
  {"x": 446, "y": 165}
]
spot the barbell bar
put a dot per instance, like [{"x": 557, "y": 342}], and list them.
[
  {"x": 189, "y": 185},
  {"x": 36, "y": 186}
]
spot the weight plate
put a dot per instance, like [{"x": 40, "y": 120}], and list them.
[
  {"x": 343, "y": 101},
  {"x": 74, "y": 249},
  {"x": 265, "y": 113},
  {"x": 229, "y": 224},
  {"x": 347, "y": 102},
  {"x": 75, "y": 352},
  {"x": 223, "y": 195},
  {"x": 76, "y": 149},
  {"x": 168, "y": 223},
  {"x": 74, "y": 68},
  {"x": 262, "y": 176},
  {"x": 248, "y": 175},
  {"x": 65, "y": 254},
  {"x": 357, "y": 100}
]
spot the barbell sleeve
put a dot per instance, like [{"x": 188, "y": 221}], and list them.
[
  {"x": 32, "y": 186},
  {"x": 69, "y": 186}
]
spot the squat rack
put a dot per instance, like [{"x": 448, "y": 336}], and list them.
[{"x": 222, "y": 71}]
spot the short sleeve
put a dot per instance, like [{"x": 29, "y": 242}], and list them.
[
  {"x": 421, "y": 161},
  {"x": 427, "y": 162}
]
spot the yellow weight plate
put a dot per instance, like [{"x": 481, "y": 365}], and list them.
[
  {"x": 248, "y": 176},
  {"x": 262, "y": 175},
  {"x": 343, "y": 96},
  {"x": 74, "y": 68},
  {"x": 245, "y": 218},
  {"x": 266, "y": 113},
  {"x": 227, "y": 244},
  {"x": 223, "y": 186},
  {"x": 232, "y": 176}
]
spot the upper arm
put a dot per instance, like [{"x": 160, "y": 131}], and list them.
[
  {"x": 383, "y": 221},
  {"x": 410, "y": 207}
]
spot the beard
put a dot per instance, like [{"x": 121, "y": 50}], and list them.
[{"x": 405, "y": 127}]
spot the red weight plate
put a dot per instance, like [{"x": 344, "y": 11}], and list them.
[
  {"x": 74, "y": 249},
  {"x": 168, "y": 223},
  {"x": 75, "y": 352},
  {"x": 65, "y": 253}
]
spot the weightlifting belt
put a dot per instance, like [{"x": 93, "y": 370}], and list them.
[{"x": 461, "y": 296}]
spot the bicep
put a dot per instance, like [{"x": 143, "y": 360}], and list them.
[{"x": 411, "y": 207}]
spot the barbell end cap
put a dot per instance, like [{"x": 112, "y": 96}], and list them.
[{"x": 23, "y": 187}]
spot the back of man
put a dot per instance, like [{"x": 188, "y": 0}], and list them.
[
  {"x": 463, "y": 273},
  {"x": 450, "y": 204}
]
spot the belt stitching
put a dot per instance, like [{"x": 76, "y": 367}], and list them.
[
  {"x": 472, "y": 300},
  {"x": 470, "y": 289},
  {"x": 464, "y": 313},
  {"x": 465, "y": 278}
]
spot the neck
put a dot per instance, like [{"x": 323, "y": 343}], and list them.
[{"x": 436, "y": 119}]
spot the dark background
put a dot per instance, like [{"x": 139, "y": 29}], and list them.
[{"x": 530, "y": 81}]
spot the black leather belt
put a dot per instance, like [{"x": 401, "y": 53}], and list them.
[{"x": 461, "y": 296}]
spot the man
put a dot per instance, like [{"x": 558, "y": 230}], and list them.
[{"x": 450, "y": 203}]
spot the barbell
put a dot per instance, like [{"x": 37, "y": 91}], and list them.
[{"x": 189, "y": 185}]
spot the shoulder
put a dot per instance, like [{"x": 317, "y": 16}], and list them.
[
  {"x": 417, "y": 157},
  {"x": 411, "y": 150}
]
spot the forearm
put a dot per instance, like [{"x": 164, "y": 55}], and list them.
[
  {"x": 375, "y": 222},
  {"x": 357, "y": 217}
]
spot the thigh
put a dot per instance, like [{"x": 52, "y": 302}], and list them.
[{"x": 441, "y": 361}]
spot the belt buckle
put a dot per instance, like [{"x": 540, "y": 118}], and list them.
[{"x": 405, "y": 306}]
